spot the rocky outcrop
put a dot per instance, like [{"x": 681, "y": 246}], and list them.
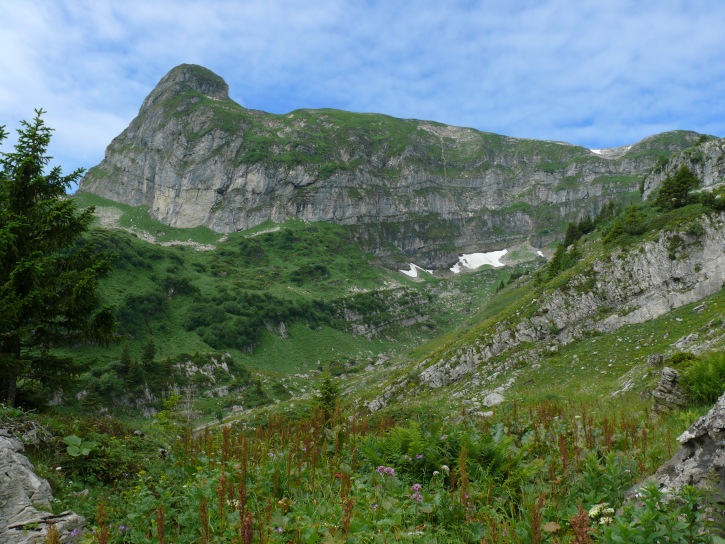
[
  {"x": 701, "y": 458},
  {"x": 195, "y": 157},
  {"x": 624, "y": 288},
  {"x": 706, "y": 160},
  {"x": 25, "y": 500},
  {"x": 669, "y": 395}
]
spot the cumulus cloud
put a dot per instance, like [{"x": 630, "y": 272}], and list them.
[{"x": 595, "y": 74}]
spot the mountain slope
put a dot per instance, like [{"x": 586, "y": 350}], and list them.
[
  {"x": 195, "y": 157},
  {"x": 613, "y": 287}
]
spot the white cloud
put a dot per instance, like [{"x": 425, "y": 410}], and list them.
[{"x": 596, "y": 74}]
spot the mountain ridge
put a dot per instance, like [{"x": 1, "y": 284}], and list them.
[{"x": 428, "y": 190}]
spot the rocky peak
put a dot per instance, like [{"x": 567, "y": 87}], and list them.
[
  {"x": 185, "y": 78},
  {"x": 431, "y": 191}
]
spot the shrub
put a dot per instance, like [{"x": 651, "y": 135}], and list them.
[{"x": 704, "y": 379}]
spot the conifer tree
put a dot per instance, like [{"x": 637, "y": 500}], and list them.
[
  {"x": 675, "y": 190},
  {"x": 48, "y": 272},
  {"x": 148, "y": 355}
]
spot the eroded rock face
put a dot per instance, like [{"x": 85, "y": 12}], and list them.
[
  {"x": 707, "y": 162},
  {"x": 195, "y": 157},
  {"x": 701, "y": 459},
  {"x": 25, "y": 499},
  {"x": 668, "y": 394}
]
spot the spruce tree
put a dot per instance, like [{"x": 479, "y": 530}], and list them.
[
  {"x": 48, "y": 271},
  {"x": 675, "y": 190}
]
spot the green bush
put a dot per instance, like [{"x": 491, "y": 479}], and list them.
[{"x": 704, "y": 379}]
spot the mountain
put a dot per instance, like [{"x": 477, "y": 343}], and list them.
[{"x": 431, "y": 191}]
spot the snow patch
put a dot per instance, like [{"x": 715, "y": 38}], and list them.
[
  {"x": 539, "y": 253},
  {"x": 476, "y": 260},
  {"x": 413, "y": 272},
  {"x": 597, "y": 151}
]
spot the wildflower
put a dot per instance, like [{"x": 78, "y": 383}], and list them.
[
  {"x": 419, "y": 456},
  {"x": 374, "y": 506},
  {"x": 416, "y": 496},
  {"x": 605, "y": 520},
  {"x": 435, "y": 472},
  {"x": 280, "y": 530},
  {"x": 122, "y": 529},
  {"x": 443, "y": 436},
  {"x": 390, "y": 471},
  {"x": 445, "y": 469}
]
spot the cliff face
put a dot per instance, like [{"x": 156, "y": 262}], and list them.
[
  {"x": 623, "y": 288},
  {"x": 706, "y": 160},
  {"x": 195, "y": 157}
]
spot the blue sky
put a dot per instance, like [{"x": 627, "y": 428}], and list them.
[{"x": 597, "y": 74}]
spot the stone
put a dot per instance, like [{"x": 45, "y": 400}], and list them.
[
  {"x": 669, "y": 395},
  {"x": 701, "y": 459},
  {"x": 195, "y": 157},
  {"x": 492, "y": 399},
  {"x": 25, "y": 499},
  {"x": 655, "y": 360}
]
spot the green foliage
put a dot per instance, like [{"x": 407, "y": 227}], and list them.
[
  {"x": 78, "y": 446},
  {"x": 633, "y": 220},
  {"x": 704, "y": 378},
  {"x": 661, "y": 518},
  {"x": 675, "y": 190},
  {"x": 48, "y": 272},
  {"x": 563, "y": 259},
  {"x": 573, "y": 233},
  {"x": 327, "y": 395}
]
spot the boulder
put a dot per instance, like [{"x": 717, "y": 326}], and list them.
[
  {"x": 25, "y": 499},
  {"x": 669, "y": 394},
  {"x": 701, "y": 458}
]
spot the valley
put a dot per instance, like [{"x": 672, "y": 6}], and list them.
[{"x": 335, "y": 327}]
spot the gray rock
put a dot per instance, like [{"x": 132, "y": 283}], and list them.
[
  {"x": 669, "y": 395},
  {"x": 195, "y": 157},
  {"x": 492, "y": 399},
  {"x": 701, "y": 458},
  {"x": 656, "y": 359},
  {"x": 25, "y": 500}
]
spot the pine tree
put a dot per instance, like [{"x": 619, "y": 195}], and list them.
[
  {"x": 327, "y": 396},
  {"x": 48, "y": 271},
  {"x": 675, "y": 190},
  {"x": 148, "y": 355},
  {"x": 572, "y": 234}
]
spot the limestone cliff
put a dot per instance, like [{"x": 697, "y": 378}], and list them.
[
  {"x": 195, "y": 157},
  {"x": 625, "y": 287},
  {"x": 706, "y": 160}
]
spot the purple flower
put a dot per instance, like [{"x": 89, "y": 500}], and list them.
[
  {"x": 373, "y": 506},
  {"x": 419, "y": 456},
  {"x": 416, "y": 487},
  {"x": 390, "y": 471},
  {"x": 280, "y": 530}
]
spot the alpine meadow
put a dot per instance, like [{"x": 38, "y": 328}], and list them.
[{"x": 336, "y": 327}]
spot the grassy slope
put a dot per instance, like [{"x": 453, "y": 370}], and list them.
[{"x": 279, "y": 263}]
